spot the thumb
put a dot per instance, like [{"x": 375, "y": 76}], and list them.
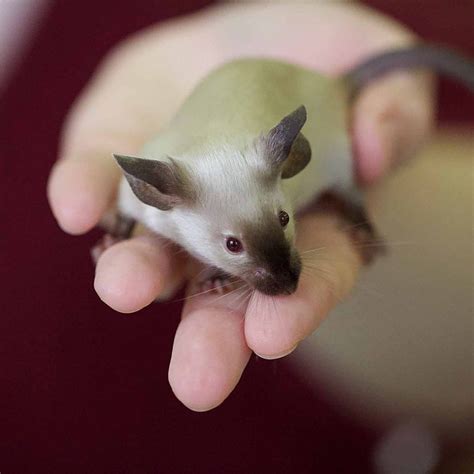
[{"x": 391, "y": 119}]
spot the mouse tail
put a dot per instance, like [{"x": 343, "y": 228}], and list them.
[{"x": 441, "y": 60}]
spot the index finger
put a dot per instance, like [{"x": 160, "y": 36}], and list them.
[
  {"x": 117, "y": 111},
  {"x": 83, "y": 183}
]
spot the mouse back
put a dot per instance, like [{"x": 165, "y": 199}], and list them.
[{"x": 243, "y": 99}]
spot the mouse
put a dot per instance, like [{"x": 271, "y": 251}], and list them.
[{"x": 254, "y": 144}]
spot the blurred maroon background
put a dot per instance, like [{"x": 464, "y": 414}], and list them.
[{"x": 84, "y": 389}]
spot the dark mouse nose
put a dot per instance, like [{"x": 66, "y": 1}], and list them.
[{"x": 281, "y": 281}]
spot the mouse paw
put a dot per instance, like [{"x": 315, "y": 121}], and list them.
[
  {"x": 349, "y": 205},
  {"x": 368, "y": 243},
  {"x": 102, "y": 245},
  {"x": 121, "y": 229}
]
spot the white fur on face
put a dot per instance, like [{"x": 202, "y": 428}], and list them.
[{"x": 234, "y": 189}]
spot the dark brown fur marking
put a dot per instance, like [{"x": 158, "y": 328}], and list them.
[
  {"x": 269, "y": 249},
  {"x": 156, "y": 183},
  {"x": 357, "y": 224},
  {"x": 123, "y": 226},
  {"x": 300, "y": 156},
  {"x": 281, "y": 137}
]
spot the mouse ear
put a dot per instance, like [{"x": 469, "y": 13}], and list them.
[
  {"x": 286, "y": 147},
  {"x": 299, "y": 157},
  {"x": 156, "y": 183}
]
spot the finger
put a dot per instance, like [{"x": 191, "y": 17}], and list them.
[
  {"x": 83, "y": 184},
  {"x": 132, "y": 274},
  {"x": 81, "y": 189},
  {"x": 391, "y": 119},
  {"x": 275, "y": 325},
  {"x": 209, "y": 351}
]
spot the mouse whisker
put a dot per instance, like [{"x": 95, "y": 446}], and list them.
[
  {"x": 242, "y": 298},
  {"x": 204, "y": 292},
  {"x": 205, "y": 269},
  {"x": 246, "y": 293},
  {"x": 347, "y": 227},
  {"x": 179, "y": 251},
  {"x": 372, "y": 241},
  {"x": 310, "y": 267},
  {"x": 383, "y": 244},
  {"x": 318, "y": 249},
  {"x": 256, "y": 302},
  {"x": 226, "y": 295},
  {"x": 252, "y": 298},
  {"x": 193, "y": 295},
  {"x": 316, "y": 260},
  {"x": 325, "y": 276}
]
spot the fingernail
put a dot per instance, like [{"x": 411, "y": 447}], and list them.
[{"x": 277, "y": 356}]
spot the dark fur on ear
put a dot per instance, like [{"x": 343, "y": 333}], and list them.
[
  {"x": 300, "y": 156},
  {"x": 156, "y": 183},
  {"x": 286, "y": 147}
]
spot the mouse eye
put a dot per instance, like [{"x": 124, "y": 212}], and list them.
[
  {"x": 284, "y": 218},
  {"x": 234, "y": 245}
]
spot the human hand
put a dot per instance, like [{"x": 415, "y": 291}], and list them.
[{"x": 139, "y": 87}]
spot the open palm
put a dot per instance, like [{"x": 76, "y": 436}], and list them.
[{"x": 139, "y": 87}]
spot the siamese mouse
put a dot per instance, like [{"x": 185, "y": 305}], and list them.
[{"x": 255, "y": 142}]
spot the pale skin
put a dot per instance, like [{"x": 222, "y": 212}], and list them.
[{"x": 138, "y": 88}]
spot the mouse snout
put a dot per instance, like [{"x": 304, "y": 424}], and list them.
[{"x": 278, "y": 281}]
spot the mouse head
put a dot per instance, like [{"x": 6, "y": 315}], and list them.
[{"x": 228, "y": 205}]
